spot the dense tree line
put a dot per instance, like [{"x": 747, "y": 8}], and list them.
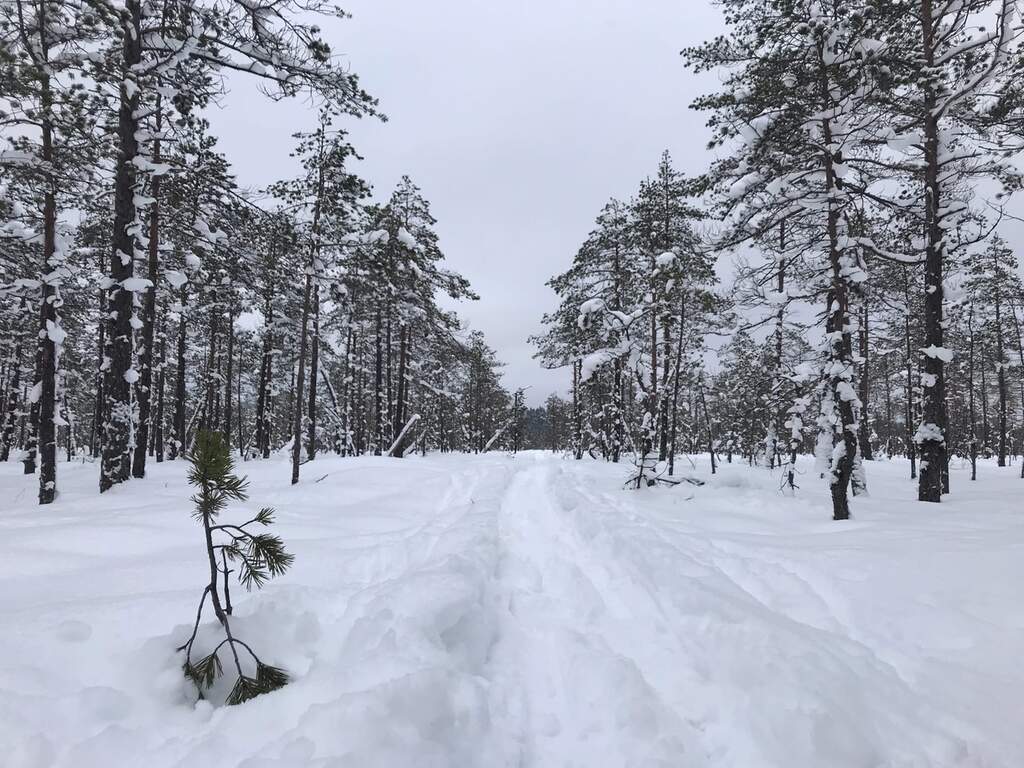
[
  {"x": 864, "y": 154},
  {"x": 147, "y": 298}
]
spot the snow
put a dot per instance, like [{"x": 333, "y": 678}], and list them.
[
  {"x": 590, "y": 363},
  {"x": 175, "y": 278},
  {"x": 55, "y": 333},
  {"x": 942, "y": 353},
  {"x": 497, "y": 611},
  {"x": 136, "y": 284},
  {"x": 249, "y": 321},
  {"x": 591, "y": 307},
  {"x": 405, "y": 238}
]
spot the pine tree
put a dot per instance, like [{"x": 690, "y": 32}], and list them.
[
  {"x": 795, "y": 112},
  {"x": 952, "y": 113},
  {"x": 327, "y": 193},
  {"x": 283, "y": 50},
  {"x": 258, "y": 557},
  {"x": 44, "y": 53}
]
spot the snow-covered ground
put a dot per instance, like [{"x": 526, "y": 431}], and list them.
[{"x": 496, "y": 611}]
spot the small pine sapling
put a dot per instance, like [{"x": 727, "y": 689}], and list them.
[{"x": 258, "y": 556}]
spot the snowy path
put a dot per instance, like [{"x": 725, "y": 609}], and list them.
[
  {"x": 490, "y": 611},
  {"x": 563, "y": 692}
]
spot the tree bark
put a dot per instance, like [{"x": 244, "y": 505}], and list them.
[
  {"x": 973, "y": 447},
  {"x": 301, "y": 381},
  {"x": 378, "y": 384},
  {"x": 143, "y": 391},
  {"x": 864, "y": 427},
  {"x": 49, "y": 323},
  {"x": 1000, "y": 378},
  {"x": 932, "y": 436},
  {"x": 11, "y": 404},
  {"x": 160, "y": 385},
  {"x": 178, "y": 446},
  {"x": 403, "y": 366},
  {"x": 229, "y": 377},
  {"x": 118, "y": 417},
  {"x": 1020, "y": 357},
  {"x": 314, "y": 372}
]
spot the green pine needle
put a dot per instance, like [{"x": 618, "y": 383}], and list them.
[{"x": 270, "y": 678}]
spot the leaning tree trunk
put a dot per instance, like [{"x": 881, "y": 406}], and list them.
[{"x": 118, "y": 417}]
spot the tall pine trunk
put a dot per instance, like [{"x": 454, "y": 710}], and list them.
[
  {"x": 118, "y": 417},
  {"x": 932, "y": 433},
  {"x": 676, "y": 379},
  {"x": 158, "y": 446},
  {"x": 864, "y": 427},
  {"x": 911, "y": 412},
  {"x": 178, "y": 446},
  {"x": 49, "y": 323},
  {"x": 1020, "y": 358},
  {"x": 99, "y": 399},
  {"x": 403, "y": 354},
  {"x": 1001, "y": 379},
  {"x": 229, "y": 377},
  {"x": 378, "y": 386},
  {"x": 10, "y": 413},
  {"x": 973, "y": 446},
  {"x": 837, "y": 327},
  {"x": 300, "y": 381},
  {"x": 314, "y": 372},
  {"x": 143, "y": 392}
]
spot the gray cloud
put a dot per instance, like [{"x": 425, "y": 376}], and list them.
[{"x": 517, "y": 120}]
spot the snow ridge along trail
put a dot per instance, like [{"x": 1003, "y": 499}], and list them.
[{"x": 465, "y": 611}]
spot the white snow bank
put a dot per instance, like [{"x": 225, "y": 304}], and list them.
[{"x": 490, "y": 611}]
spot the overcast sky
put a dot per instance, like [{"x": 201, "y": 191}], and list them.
[{"x": 518, "y": 121}]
